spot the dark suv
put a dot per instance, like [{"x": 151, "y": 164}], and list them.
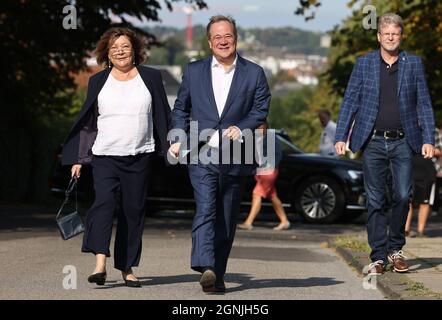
[{"x": 321, "y": 189}]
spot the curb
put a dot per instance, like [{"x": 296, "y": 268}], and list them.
[
  {"x": 359, "y": 263},
  {"x": 392, "y": 285}
]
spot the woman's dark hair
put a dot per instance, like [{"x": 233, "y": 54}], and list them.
[{"x": 108, "y": 38}]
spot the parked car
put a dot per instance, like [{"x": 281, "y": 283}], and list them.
[{"x": 321, "y": 189}]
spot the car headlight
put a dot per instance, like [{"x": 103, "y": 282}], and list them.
[{"x": 354, "y": 174}]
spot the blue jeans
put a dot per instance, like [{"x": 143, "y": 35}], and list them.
[{"x": 384, "y": 156}]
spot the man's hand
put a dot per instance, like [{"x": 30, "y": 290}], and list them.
[
  {"x": 428, "y": 151},
  {"x": 174, "y": 149},
  {"x": 233, "y": 133},
  {"x": 75, "y": 171},
  {"x": 340, "y": 148}
]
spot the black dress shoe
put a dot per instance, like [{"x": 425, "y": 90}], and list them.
[
  {"x": 220, "y": 286},
  {"x": 98, "y": 278},
  {"x": 208, "y": 279},
  {"x": 132, "y": 283}
]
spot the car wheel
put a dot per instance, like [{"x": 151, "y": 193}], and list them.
[{"x": 319, "y": 200}]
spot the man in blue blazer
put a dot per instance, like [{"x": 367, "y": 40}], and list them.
[
  {"x": 227, "y": 95},
  {"x": 388, "y": 103}
]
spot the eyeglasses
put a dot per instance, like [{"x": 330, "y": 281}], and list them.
[
  {"x": 227, "y": 37},
  {"x": 124, "y": 48},
  {"x": 388, "y": 35}
]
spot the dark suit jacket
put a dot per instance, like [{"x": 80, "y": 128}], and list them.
[
  {"x": 246, "y": 107},
  {"x": 361, "y": 102},
  {"x": 78, "y": 145}
]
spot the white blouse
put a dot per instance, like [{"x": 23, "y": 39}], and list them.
[{"x": 124, "y": 118}]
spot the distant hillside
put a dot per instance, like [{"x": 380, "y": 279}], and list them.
[{"x": 291, "y": 40}]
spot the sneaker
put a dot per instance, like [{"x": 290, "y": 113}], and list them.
[
  {"x": 282, "y": 226},
  {"x": 376, "y": 268},
  {"x": 397, "y": 259},
  {"x": 245, "y": 226},
  {"x": 421, "y": 235}
]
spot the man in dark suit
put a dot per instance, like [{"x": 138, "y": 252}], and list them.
[
  {"x": 229, "y": 96},
  {"x": 388, "y": 99}
]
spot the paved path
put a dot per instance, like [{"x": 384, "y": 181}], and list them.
[{"x": 264, "y": 264}]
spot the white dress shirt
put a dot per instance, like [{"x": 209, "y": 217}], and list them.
[
  {"x": 327, "y": 146},
  {"x": 221, "y": 83},
  {"x": 124, "y": 122}
]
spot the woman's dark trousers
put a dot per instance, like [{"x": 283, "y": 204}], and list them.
[{"x": 119, "y": 181}]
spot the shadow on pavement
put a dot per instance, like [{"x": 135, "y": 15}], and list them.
[
  {"x": 245, "y": 282},
  {"x": 423, "y": 263}
]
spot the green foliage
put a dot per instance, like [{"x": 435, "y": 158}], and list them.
[
  {"x": 291, "y": 113},
  {"x": 423, "y": 29},
  {"x": 174, "y": 46},
  {"x": 354, "y": 243},
  {"x": 158, "y": 56},
  {"x": 181, "y": 60},
  {"x": 203, "y": 47}
]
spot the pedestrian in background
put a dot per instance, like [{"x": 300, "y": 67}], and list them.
[
  {"x": 326, "y": 144},
  {"x": 424, "y": 188},
  {"x": 265, "y": 187}
]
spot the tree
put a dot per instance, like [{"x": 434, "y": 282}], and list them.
[
  {"x": 174, "y": 46},
  {"x": 203, "y": 47},
  {"x": 39, "y": 59},
  {"x": 158, "y": 56},
  {"x": 289, "y": 112}
]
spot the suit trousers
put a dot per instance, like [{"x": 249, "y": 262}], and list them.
[
  {"x": 218, "y": 199},
  {"x": 119, "y": 182}
]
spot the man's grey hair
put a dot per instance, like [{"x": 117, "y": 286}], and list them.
[
  {"x": 219, "y": 18},
  {"x": 391, "y": 18}
]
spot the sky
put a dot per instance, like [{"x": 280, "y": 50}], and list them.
[{"x": 261, "y": 13}]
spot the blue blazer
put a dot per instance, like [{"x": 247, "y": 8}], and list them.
[
  {"x": 246, "y": 107},
  {"x": 361, "y": 102}
]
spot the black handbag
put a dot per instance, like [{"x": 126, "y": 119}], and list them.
[{"x": 71, "y": 224}]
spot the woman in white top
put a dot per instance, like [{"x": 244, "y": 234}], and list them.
[{"x": 124, "y": 120}]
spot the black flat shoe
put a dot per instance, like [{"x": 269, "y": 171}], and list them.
[
  {"x": 220, "y": 286},
  {"x": 132, "y": 283},
  {"x": 98, "y": 278}
]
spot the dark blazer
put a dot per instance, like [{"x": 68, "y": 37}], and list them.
[
  {"x": 81, "y": 138},
  {"x": 361, "y": 102},
  {"x": 246, "y": 107}
]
